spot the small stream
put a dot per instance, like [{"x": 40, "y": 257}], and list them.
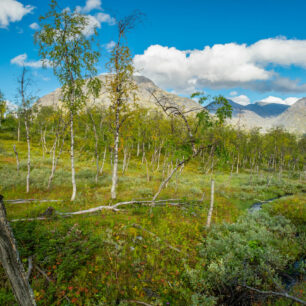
[
  {"x": 293, "y": 276},
  {"x": 257, "y": 206}
]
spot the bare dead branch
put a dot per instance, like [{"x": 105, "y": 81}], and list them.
[{"x": 273, "y": 293}]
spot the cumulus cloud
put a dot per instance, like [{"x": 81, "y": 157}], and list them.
[
  {"x": 110, "y": 45},
  {"x": 233, "y": 93},
  {"x": 12, "y": 11},
  {"x": 21, "y": 60},
  {"x": 287, "y": 101},
  {"x": 94, "y": 22},
  {"x": 242, "y": 100},
  {"x": 90, "y": 5},
  {"x": 224, "y": 65},
  {"x": 34, "y": 26}
]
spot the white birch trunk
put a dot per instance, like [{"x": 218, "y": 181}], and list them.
[
  {"x": 115, "y": 166},
  {"x": 102, "y": 166},
  {"x": 54, "y": 161},
  {"x": 17, "y": 159},
  {"x": 72, "y": 158},
  {"x": 163, "y": 184},
  {"x": 211, "y": 208},
  {"x": 29, "y": 154}
]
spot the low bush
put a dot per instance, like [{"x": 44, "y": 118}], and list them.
[{"x": 253, "y": 252}]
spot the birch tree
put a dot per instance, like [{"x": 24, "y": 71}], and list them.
[
  {"x": 64, "y": 46},
  {"x": 120, "y": 85},
  {"x": 192, "y": 145},
  {"x": 26, "y": 111}
]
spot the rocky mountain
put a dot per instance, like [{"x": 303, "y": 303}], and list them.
[
  {"x": 259, "y": 114},
  {"x": 294, "y": 118},
  {"x": 145, "y": 99},
  {"x": 265, "y": 110}
]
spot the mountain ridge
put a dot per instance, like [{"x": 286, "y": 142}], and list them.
[{"x": 259, "y": 114}]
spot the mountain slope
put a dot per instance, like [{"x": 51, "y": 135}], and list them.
[
  {"x": 267, "y": 109},
  {"x": 259, "y": 114},
  {"x": 144, "y": 96},
  {"x": 294, "y": 118}
]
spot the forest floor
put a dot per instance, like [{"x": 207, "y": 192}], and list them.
[{"x": 137, "y": 253}]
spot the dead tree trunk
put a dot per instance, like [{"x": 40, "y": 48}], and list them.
[
  {"x": 162, "y": 185},
  {"x": 12, "y": 265},
  {"x": 55, "y": 160},
  {"x": 96, "y": 144},
  {"x": 29, "y": 154},
  {"x": 211, "y": 208},
  {"x": 116, "y": 149},
  {"x": 102, "y": 166},
  {"x": 17, "y": 159},
  {"x": 72, "y": 158},
  {"x": 18, "y": 130}
]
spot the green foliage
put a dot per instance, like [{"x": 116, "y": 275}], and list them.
[
  {"x": 253, "y": 252},
  {"x": 64, "y": 46}
]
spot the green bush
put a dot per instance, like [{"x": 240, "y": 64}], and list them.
[{"x": 253, "y": 251}]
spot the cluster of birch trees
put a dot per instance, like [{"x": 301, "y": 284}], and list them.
[{"x": 165, "y": 140}]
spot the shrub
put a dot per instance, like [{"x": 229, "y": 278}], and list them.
[{"x": 253, "y": 251}]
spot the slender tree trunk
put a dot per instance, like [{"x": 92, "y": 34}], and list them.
[
  {"x": 11, "y": 263},
  {"x": 96, "y": 144},
  {"x": 163, "y": 184},
  {"x": 125, "y": 156},
  {"x": 143, "y": 152},
  {"x": 128, "y": 161},
  {"x": 104, "y": 156},
  {"x": 148, "y": 173},
  {"x": 72, "y": 158},
  {"x": 29, "y": 154},
  {"x": 18, "y": 130},
  {"x": 55, "y": 160},
  {"x": 211, "y": 208},
  {"x": 115, "y": 167},
  {"x": 17, "y": 159},
  {"x": 42, "y": 142}
]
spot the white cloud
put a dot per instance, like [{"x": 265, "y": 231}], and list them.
[
  {"x": 94, "y": 22},
  {"x": 90, "y": 5},
  {"x": 21, "y": 60},
  {"x": 103, "y": 17},
  {"x": 12, "y": 11},
  {"x": 34, "y": 26},
  {"x": 110, "y": 45},
  {"x": 224, "y": 65},
  {"x": 287, "y": 101},
  {"x": 233, "y": 93},
  {"x": 242, "y": 100},
  {"x": 280, "y": 51}
]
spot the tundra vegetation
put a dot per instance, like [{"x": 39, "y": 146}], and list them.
[{"x": 143, "y": 226}]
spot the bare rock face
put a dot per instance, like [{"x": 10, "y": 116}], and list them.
[
  {"x": 259, "y": 114},
  {"x": 143, "y": 96},
  {"x": 270, "y": 115},
  {"x": 294, "y": 118}
]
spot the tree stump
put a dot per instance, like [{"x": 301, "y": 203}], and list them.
[{"x": 12, "y": 265}]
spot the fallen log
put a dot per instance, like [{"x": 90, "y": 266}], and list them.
[
  {"x": 106, "y": 207},
  {"x": 25, "y": 201}
]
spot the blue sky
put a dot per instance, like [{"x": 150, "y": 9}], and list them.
[{"x": 246, "y": 50}]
